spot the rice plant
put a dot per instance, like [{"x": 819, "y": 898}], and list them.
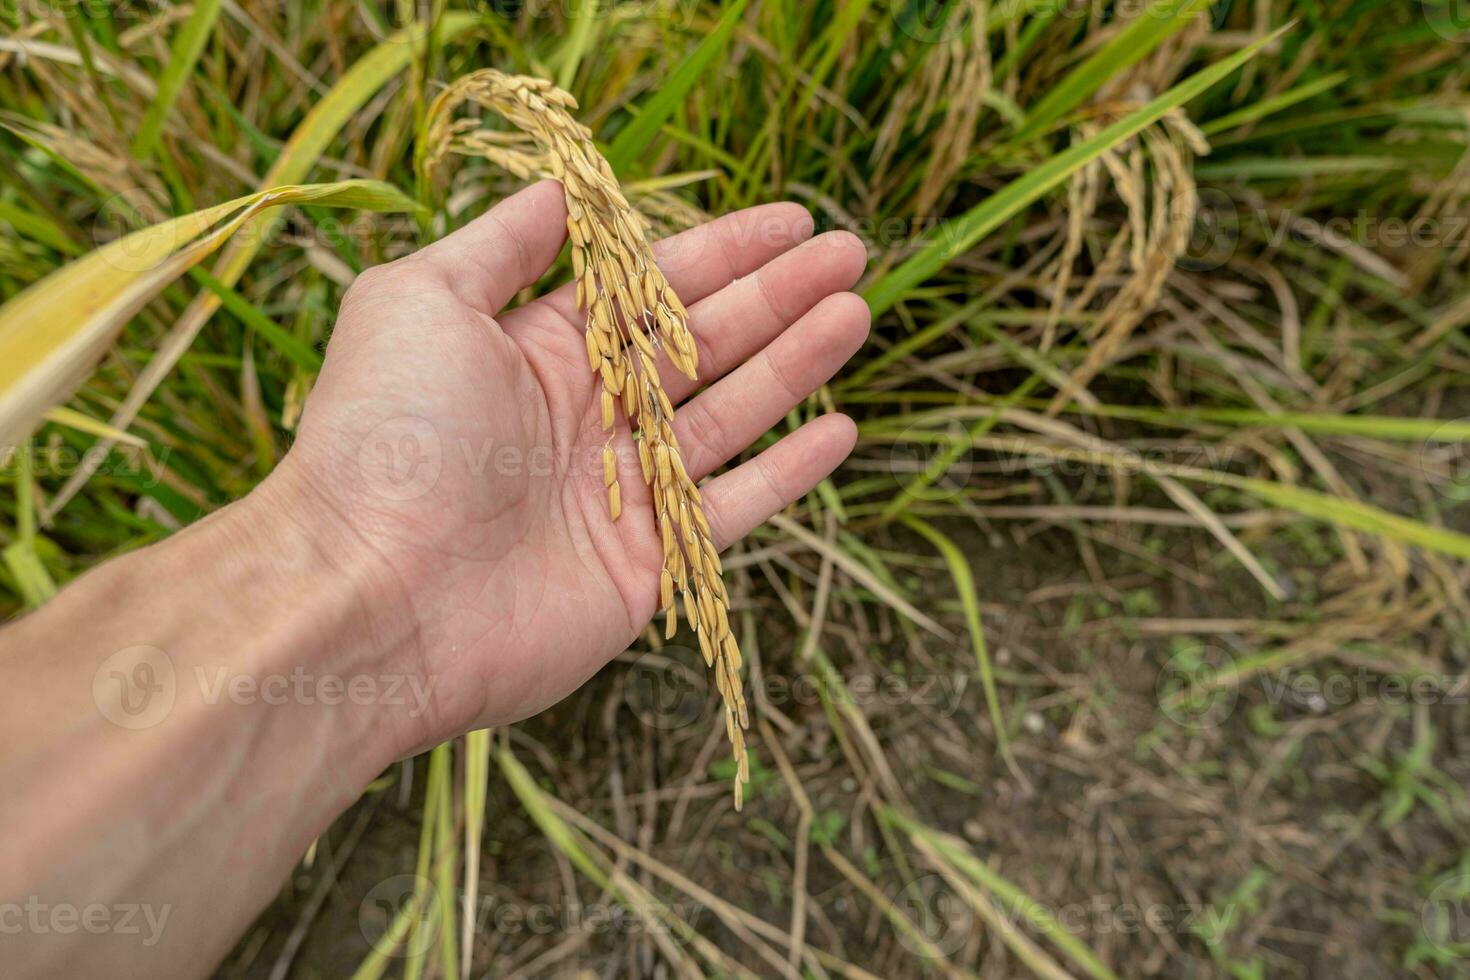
[{"x": 1162, "y": 449}]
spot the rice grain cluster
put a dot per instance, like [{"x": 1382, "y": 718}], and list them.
[{"x": 632, "y": 315}]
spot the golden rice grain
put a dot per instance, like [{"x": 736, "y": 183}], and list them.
[{"x": 632, "y": 314}]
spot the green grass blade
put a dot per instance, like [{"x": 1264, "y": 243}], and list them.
[
  {"x": 562, "y": 835},
  {"x": 1266, "y": 107},
  {"x": 377, "y": 962},
  {"x": 187, "y": 47},
  {"x": 445, "y": 859},
  {"x": 416, "y": 957},
  {"x": 1338, "y": 511},
  {"x": 1341, "y": 512},
  {"x": 1388, "y": 428},
  {"x": 1013, "y": 899},
  {"x": 1277, "y": 168},
  {"x": 72, "y": 419},
  {"x": 476, "y": 773},
  {"x": 964, "y": 581},
  {"x": 31, "y": 578},
  {"x": 20, "y": 557},
  {"x": 1385, "y": 427},
  {"x": 959, "y": 235},
  {"x": 37, "y": 228},
  {"x": 295, "y": 350},
  {"x": 578, "y": 41},
  {"x": 918, "y": 488}
]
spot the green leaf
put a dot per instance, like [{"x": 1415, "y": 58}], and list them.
[
  {"x": 446, "y": 855},
  {"x": 31, "y": 578},
  {"x": 53, "y": 333},
  {"x": 1266, "y": 107},
  {"x": 636, "y": 136}
]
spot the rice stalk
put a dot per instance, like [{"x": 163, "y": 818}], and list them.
[
  {"x": 957, "y": 236},
  {"x": 632, "y": 315}
]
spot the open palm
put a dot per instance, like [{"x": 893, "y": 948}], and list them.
[{"x": 458, "y": 449}]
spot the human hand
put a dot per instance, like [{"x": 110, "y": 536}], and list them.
[
  {"x": 451, "y": 453},
  {"x": 434, "y": 554}
]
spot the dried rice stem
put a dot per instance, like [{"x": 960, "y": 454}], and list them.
[{"x": 632, "y": 313}]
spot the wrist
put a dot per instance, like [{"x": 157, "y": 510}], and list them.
[
  {"x": 225, "y": 694},
  {"x": 339, "y": 632}
]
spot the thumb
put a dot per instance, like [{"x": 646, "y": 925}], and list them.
[{"x": 505, "y": 249}]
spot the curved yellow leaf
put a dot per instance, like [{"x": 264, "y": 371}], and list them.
[
  {"x": 300, "y": 153},
  {"x": 53, "y": 333}
]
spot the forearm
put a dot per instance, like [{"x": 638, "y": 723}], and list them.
[{"x": 175, "y": 729}]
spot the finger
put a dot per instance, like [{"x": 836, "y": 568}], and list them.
[
  {"x": 755, "y": 396},
  {"x": 505, "y": 249},
  {"x": 745, "y": 497},
  {"x": 750, "y": 312},
  {"x": 703, "y": 260}
]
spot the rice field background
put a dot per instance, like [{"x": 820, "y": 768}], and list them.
[{"x": 1132, "y": 640}]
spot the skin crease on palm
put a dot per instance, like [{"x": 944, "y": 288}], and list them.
[{"x": 460, "y": 443}]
